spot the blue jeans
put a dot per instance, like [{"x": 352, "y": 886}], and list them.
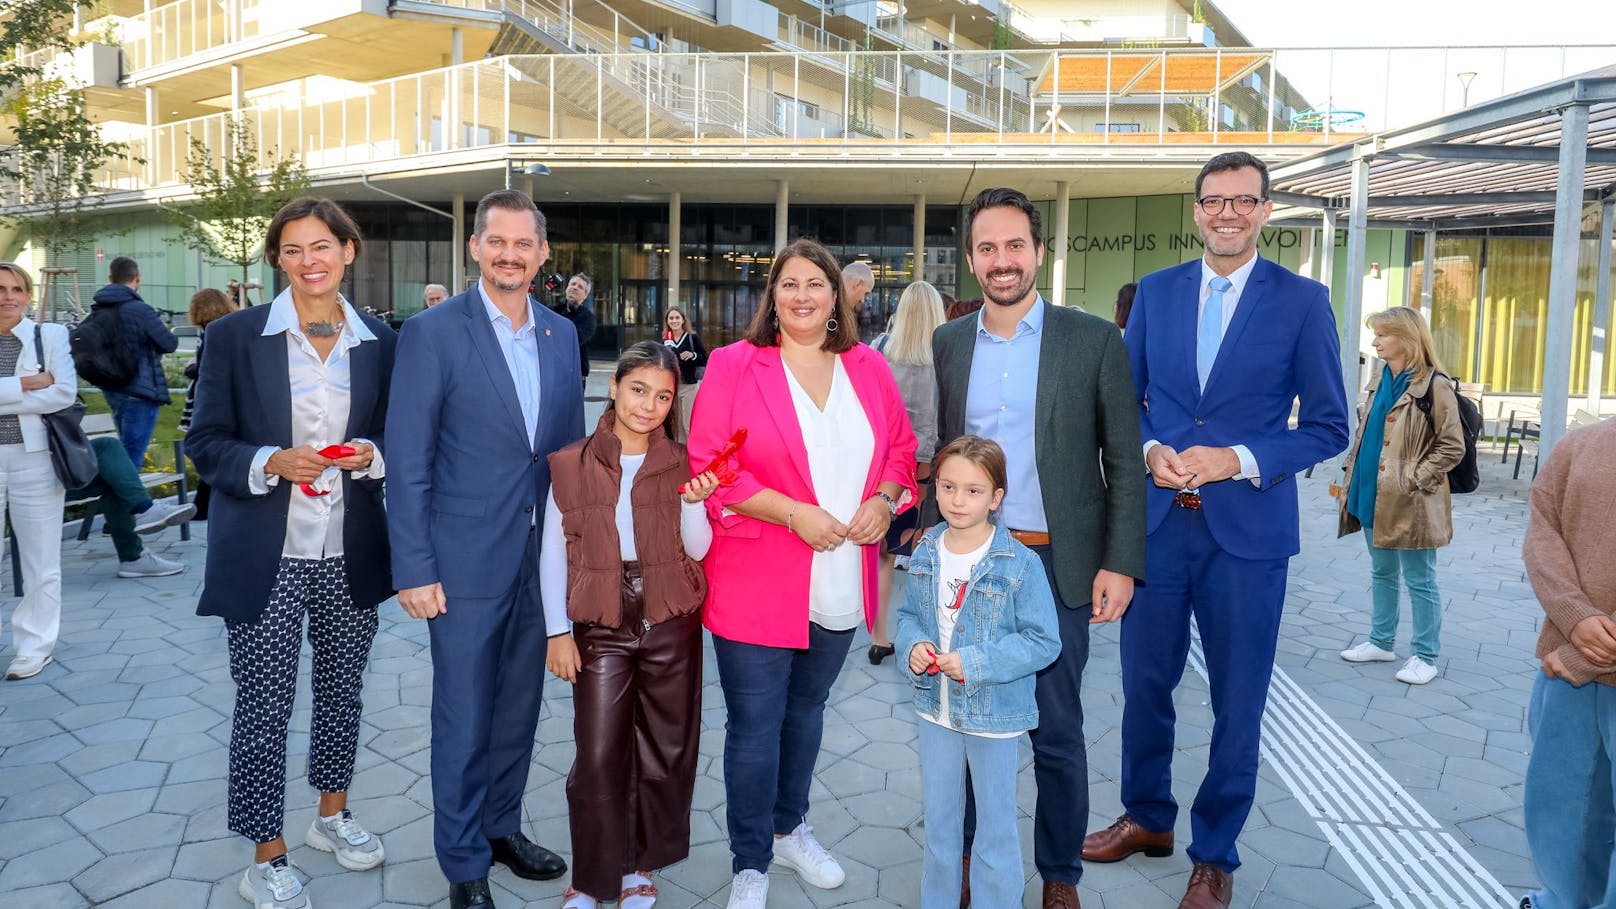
[
  {"x": 1418, "y": 568},
  {"x": 996, "y": 876},
  {"x": 774, "y": 699},
  {"x": 1570, "y": 810},
  {"x": 136, "y": 420}
]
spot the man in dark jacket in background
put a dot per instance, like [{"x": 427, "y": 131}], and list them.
[{"x": 134, "y": 406}]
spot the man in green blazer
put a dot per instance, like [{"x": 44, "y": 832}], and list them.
[{"x": 1051, "y": 385}]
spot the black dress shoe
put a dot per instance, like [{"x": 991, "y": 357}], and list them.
[
  {"x": 879, "y": 652},
  {"x": 527, "y": 859},
  {"x": 471, "y": 895}
]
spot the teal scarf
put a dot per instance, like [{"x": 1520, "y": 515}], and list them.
[{"x": 1366, "y": 470}]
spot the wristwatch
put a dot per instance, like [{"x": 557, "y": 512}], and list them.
[{"x": 892, "y": 504}]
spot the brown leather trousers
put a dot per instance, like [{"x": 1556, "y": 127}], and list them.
[{"x": 637, "y": 725}]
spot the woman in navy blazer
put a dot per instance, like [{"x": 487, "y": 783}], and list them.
[{"x": 295, "y": 533}]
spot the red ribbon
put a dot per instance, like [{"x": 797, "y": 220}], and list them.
[
  {"x": 720, "y": 465},
  {"x": 333, "y": 452}
]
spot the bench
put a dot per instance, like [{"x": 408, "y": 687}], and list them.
[{"x": 101, "y": 424}]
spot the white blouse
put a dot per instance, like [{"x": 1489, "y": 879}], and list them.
[{"x": 840, "y": 444}]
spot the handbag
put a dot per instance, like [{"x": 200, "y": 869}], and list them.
[{"x": 71, "y": 454}]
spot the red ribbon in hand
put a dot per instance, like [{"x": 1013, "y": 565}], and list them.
[
  {"x": 720, "y": 464},
  {"x": 333, "y": 452}
]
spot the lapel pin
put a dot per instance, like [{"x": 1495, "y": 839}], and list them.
[{"x": 547, "y": 332}]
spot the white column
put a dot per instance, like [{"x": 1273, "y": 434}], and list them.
[
  {"x": 457, "y": 47},
  {"x": 1563, "y": 275},
  {"x": 920, "y": 238},
  {"x": 151, "y": 135},
  {"x": 1596, "y": 350},
  {"x": 238, "y": 89},
  {"x": 674, "y": 252},
  {"x": 1428, "y": 277},
  {"x": 1327, "y": 250},
  {"x": 1352, "y": 301},
  {"x": 457, "y": 271},
  {"x": 782, "y": 212},
  {"x": 1309, "y": 265},
  {"x": 1063, "y": 223}
]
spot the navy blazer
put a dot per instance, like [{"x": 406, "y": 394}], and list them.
[
  {"x": 244, "y": 402},
  {"x": 1281, "y": 345},
  {"x": 463, "y": 480}
]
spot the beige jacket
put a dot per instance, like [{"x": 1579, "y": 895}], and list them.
[{"x": 1413, "y": 509}]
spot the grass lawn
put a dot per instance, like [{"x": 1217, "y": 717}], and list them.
[{"x": 160, "y": 453}]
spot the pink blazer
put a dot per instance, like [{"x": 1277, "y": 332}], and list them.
[{"x": 757, "y": 572}]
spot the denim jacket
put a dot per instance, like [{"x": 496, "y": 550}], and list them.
[{"x": 1007, "y": 631}]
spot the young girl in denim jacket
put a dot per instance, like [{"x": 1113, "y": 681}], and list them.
[{"x": 977, "y": 621}]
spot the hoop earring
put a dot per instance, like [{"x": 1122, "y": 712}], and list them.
[{"x": 831, "y": 325}]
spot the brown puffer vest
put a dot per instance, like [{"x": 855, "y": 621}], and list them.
[{"x": 585, "y": 478}]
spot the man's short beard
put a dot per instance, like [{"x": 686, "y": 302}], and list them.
[
  {"x": 1019, "y": 294},
  {"x": 511, "y": 287}
]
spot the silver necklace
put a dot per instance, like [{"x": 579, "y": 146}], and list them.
[{"x": 323, "y": 329}]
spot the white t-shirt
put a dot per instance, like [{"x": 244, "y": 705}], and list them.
[
  {"x": 840, "y": 445},
  {"x": 953, "y": 574}
]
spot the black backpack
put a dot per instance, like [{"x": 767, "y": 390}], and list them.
[
  {"x": 101, "y": 350},
  {"x": 1465, "y": 475}
]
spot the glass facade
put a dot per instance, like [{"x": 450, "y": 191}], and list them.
[{"x": 1490, "y": 305}]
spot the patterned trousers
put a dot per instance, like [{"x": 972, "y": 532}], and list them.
[{"x": 263, "y": 662}]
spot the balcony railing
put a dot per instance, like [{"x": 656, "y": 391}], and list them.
[{"x": 648, "y": 105}]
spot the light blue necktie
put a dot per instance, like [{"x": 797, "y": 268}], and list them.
[{"x": 1209, "y": 334}]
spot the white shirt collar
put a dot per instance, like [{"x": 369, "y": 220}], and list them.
[
  {"x": 283, "y": 317},
  {"x": 494, "y": 315},
  {"x": 24, "y": 330},
  {"x": 1237, "y": 278}
]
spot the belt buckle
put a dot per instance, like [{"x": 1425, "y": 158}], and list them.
[{"x": 1188, "y": 499}]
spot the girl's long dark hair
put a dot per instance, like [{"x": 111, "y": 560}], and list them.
[{"x": 656, "y": 356}]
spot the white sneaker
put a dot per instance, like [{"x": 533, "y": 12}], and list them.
[
  {"x": 163, "y": 514},
  {"x": 356, "y": 848},
  {"x": 273, "y": 886},
  {"x": 802, "y": 853},
  {"x": 1416, "y": 672},
  {"x": 149, "y": 566},
  {"x": 749, "y": 890},
  {"x": 26, "y": 667},
  {"x": 1367, "y": 653}
]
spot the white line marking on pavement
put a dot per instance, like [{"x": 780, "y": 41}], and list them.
[{"x": 1398, "y": 850}]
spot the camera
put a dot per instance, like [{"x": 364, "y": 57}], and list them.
[{"x": 551, "y": 282}]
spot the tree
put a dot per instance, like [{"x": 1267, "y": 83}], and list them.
[
  {"x": 33, "y": 25},
  {"x": 235, "y": 198}
]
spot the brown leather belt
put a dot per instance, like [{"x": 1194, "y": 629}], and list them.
[
  {"x": 1031, "y": 537},
  {"x": 1186, "y": 499}
]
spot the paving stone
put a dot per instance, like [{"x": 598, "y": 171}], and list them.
[
  {"x": 118, "y": 874},
  {"x": 168, "y": 894},
  {"x": 51, "y": 864}
]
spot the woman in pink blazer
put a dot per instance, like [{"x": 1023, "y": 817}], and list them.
[{"x": 829, "y": 458}]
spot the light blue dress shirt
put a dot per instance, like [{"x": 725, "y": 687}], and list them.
[
  {"x": 1000, "y": 404},
  {"x": 521, "y": 349}
]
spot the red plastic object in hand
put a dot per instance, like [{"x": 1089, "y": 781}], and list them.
[
  {"x": 721, "y": 465},
  {"x": 333, "y": 452},
  {"x": 932, "y": 669}
]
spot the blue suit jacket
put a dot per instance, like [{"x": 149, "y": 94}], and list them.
[
  {"x": 244, "y": 402},
  {"x": 463, "y": 481},
  {"x": 1280, "y": 346}
]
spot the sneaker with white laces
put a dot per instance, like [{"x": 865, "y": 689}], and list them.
[
  {"x": 274, "y": 885},
  {"x": 356, "y": 848},
  {"x": 749, "y": 890},
  {"x": 1367, "y": 652},
  {"x": 149, "y": 566},
  {"x": 1416, "y": 672},
  {"x": 163, "y": 514},
  {"x": 802, "y": 853}
]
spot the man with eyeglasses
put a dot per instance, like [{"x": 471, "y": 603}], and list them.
[{"x": 1219, "y": 349}]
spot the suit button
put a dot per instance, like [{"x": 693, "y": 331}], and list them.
[
  {"x": 535, "y": 459},
  {"x": 1382, "y": 470},
  {"x": 1200, "y": 422},
  {"x": 529, "y": 508}
]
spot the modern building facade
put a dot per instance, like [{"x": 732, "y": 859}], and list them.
[{"x": 674, "y": 144}]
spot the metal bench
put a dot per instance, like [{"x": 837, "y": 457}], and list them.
[{"x": 100, "y": 424}]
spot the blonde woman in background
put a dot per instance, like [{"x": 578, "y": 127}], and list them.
[
  {"x": 908, "y": 351},
  {"x": 29, "y": 488},
  {"x": 1399, "y": 494}
]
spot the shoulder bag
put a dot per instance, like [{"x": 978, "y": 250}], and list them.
[{"x": 70, "y": 449}]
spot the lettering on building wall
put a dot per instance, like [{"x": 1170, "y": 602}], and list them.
[{"x": 1274, "y": 238}]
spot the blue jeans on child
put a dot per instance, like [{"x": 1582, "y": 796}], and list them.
[
  {"x": 1570, "y": 808},
  {"x": 1418, "y": 568},
  {"x": 996, "y": 875}
]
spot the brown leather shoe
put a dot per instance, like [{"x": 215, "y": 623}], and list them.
[
  {"x": 1060, "y": 896},
  {"x": 1210, "y": 888},
  {"x": 965, "y": 881},
  {"x": 1124, "y": 838}
]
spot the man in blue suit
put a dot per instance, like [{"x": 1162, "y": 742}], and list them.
[
  {"x": 1220, "y": 349},
  {"x": 482, "y": 392}
]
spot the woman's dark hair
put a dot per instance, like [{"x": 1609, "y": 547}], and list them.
[
  {"x": 1002, "y": 197},
  {"x": 984, "y": 453},
  {"x": 1124, "y": 303},
  {"x": 208, "y": 304},
  {"x": 765, "y": 328},
  {"x": 650, "y": 354},
  {"x": 337, "y": 220}
]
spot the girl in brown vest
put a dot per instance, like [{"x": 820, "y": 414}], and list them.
[{"x": 622, "y": 588}]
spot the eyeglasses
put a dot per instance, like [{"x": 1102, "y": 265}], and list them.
[{"x": 1243, "y": 205}]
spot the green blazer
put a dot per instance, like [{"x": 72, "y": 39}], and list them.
[{"x": 1090, "y": 465}]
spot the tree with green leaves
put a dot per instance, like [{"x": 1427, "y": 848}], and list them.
[
  {"x": 236, "y": 196},
  {"x": 33, "y": 25}
]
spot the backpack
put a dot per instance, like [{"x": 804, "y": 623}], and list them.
[
  {"x": 101, "y": 351},
  {"x": 1465, "y": 475}
]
